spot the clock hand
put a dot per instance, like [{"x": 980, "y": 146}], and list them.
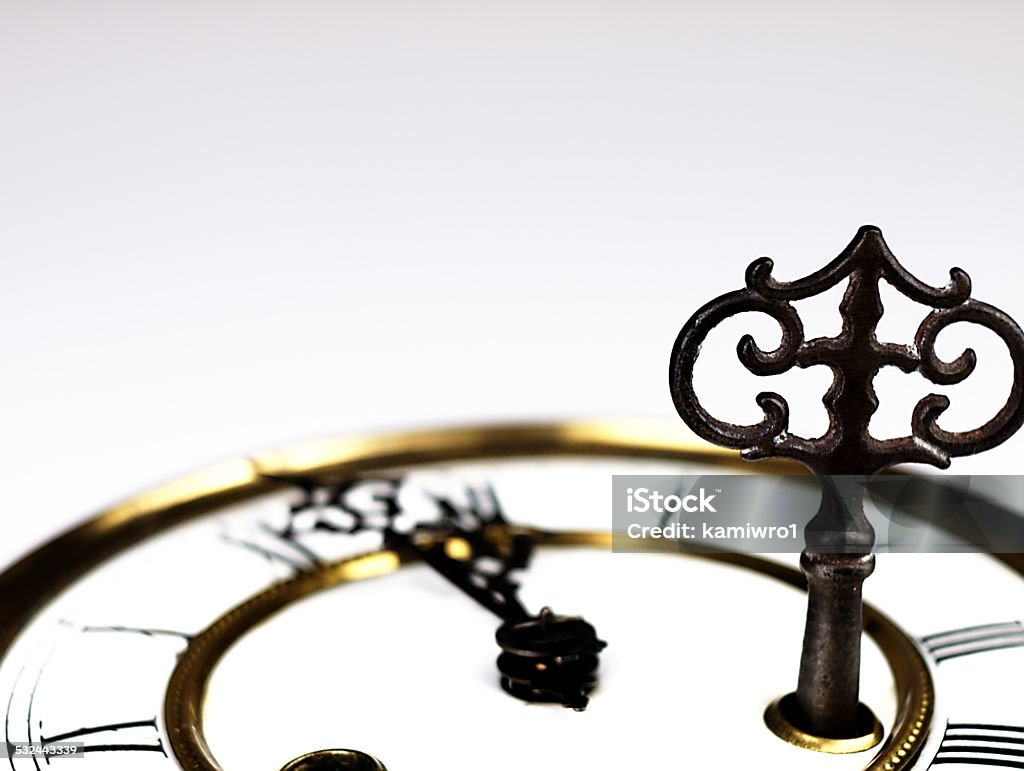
[{"x": 545, "y": 657}]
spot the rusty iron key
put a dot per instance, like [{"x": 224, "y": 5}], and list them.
[{"x": 837, "y": 557}]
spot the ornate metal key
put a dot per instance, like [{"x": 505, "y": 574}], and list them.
[{"x": 839, "y": 540}]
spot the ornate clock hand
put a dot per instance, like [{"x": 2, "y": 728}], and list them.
[
  {"x": 474, "y": 548},
  {"x": 546, "y": 657},
  {"x": 837, "y": 557}
]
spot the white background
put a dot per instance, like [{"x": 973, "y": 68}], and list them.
[{"x": 228, "y": 225}]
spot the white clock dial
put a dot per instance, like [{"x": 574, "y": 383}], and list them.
[{"x": 401, "y": 665}]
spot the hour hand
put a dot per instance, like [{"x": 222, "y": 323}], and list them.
[{"x": 545, "y": 657}]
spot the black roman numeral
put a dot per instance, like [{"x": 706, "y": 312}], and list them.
[
  {"x": 138, "y": 631},
  {"x": 974, "y": 639},
  {"x": 343, "y": 509},
  {"x": 346, "y": 508},
  {"x": 981, "y": 744},
  {"x": 157, "y": 745},
  {"x": 276, "y": 547}
]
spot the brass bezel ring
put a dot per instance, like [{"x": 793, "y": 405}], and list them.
[
  {"x": 187, "y": 688},
  {"x": 29, "y": 584}
]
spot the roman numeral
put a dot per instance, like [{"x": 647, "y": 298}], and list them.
[
  {"x": 981, "y": 744},
  {"x": 276, "y": 547},
  {"x": 346, "y": 508},
  {"x": 138, "y": 631},
  {"x": 148, "y": 726},
  {"x": 974, "y": 639},
  {"x": 342, "y": 509}
]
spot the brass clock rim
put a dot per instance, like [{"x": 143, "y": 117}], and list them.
[
  {"x": 188, "y": 683},
  {"x": 27, "y": 585},
  {"x": 186, "y": 689}
]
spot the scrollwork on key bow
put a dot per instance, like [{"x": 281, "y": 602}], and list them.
[{"x": 855, "y": 356}]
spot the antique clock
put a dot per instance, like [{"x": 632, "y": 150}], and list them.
[{"x": 452, "y": 599}]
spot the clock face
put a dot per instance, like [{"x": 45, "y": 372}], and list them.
[{"x": 251, "y": 614}]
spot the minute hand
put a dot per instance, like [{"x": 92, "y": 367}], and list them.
[{"x": 545, "y": 657}]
